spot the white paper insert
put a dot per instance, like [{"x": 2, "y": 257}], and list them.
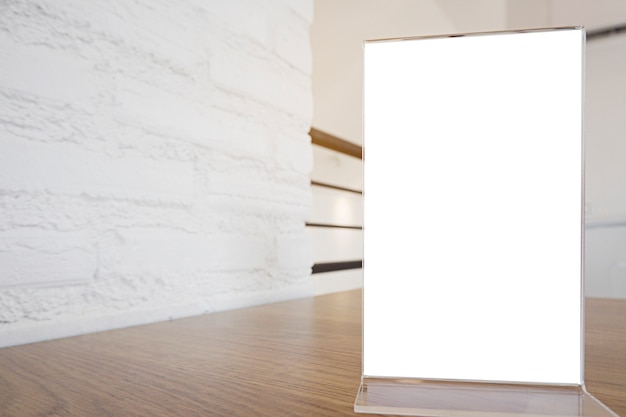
[{"x": 472, "y": 219}]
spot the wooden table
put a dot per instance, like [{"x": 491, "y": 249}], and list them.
[{"x": 298, "y": 358}]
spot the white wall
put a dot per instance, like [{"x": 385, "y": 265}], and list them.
[
  {"x": 605, "y": 167},
  {"x": 154, "y": 160},
  {"x": 606, "y": 129},
  {"x": 340, "y": 27}
]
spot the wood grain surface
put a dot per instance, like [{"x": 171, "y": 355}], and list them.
[
  {"x": 329, "y": 141},
  {"x": 297, "y": 358}
]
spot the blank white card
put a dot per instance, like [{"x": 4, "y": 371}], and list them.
[{"x": 473, "y": 218}]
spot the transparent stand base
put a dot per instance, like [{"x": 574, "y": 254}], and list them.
[{"x": 413, "y": 397}]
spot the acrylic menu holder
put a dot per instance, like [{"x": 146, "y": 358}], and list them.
[{"x": 473, "y": 226}]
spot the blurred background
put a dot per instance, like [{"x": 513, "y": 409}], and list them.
[
  {"x": 341, "y": 26},
  {"x": 161, "y": 160}
]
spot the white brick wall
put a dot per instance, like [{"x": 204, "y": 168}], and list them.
[
  {"x": 33, "y": 257},
  {"x": 58, "y": 168},
  {"x": 154, "y": 160}
]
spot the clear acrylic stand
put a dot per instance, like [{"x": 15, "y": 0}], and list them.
[
  {"x": 428, "y": 398},
  {"x": 473, "y": 226}
]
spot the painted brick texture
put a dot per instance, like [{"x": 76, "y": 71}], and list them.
[{"x": 154, "y": 160}]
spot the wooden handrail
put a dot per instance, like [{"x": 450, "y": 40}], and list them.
[
  {"x": 336, "y": 187},
  {"x": 336, "y": 266},
  {"x": 335, "y": 226},
  {"x": 604, "y": 32},
  {"x": 329, "y": 141}
]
